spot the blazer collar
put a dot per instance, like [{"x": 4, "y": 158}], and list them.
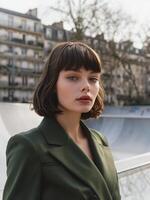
[{"x": 53, "y": 132}]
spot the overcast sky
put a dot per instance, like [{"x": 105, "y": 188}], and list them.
[{"x": 139, "y": 9}]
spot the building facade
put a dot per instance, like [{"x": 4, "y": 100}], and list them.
[
  {"x": 125, "y": 71},
  {"x": 53, "y": 34},
  {"x": 21, "y": 54},
  {"x": 25, "y": 43}
]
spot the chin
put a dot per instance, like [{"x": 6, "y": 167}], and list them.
[{"x": 85, "y": 110}]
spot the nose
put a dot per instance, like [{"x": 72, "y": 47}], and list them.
[{"x": 85, "y": 86}]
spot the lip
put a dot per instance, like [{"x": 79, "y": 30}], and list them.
[{"x": 84, "y": 98}]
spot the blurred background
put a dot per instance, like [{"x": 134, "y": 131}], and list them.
[{"x": 119, "y": 31}]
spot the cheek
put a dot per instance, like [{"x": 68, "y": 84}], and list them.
[
  {"x": 63, "y": 91},
  {"x": 96, "y": 90}
]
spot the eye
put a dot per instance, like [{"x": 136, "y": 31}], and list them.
[
  {"x": 72, "y": 78},
  {"x": 94, "y": 79}
]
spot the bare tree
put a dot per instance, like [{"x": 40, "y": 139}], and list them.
[
  {"x": 94, "y": 17},
  {"x": 145, "y": 39},
  {"x": 84, "y": 16}
]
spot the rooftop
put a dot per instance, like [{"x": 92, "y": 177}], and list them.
[{"x": 27, "y": 15}]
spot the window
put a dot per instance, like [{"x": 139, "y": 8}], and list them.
[
  {"x": 37, "y": 27},
  {"x": 36, "y": 54},
  {"x": 60, "y": 34},
  {"x": 10, "y": 49},
  {"x": 10, "y": 62},
  {"x": 10, "y": 20},
  {"x": 10, "y": 35},
  {"x": 23, "y": 24},
  {"x": 24, "y": 51},
  {"x": 49, "y": 33},
  {"x": 54, "y": 34}
]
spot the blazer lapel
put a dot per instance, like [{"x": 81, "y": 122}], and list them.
[
  {"x": 73, "y": 158},
  {"x": 103, "y": 158}
]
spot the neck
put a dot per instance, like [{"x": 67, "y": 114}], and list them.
[{"x": 71, "y": 124}]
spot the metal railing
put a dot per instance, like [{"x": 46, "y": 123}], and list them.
[
  {"x": 18, "y": 41},
  {"x": 134, "y": 177},
  {"x": 20, "y": 26}
]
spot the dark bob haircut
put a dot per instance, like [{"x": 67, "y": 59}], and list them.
[{"x": 66, "y": 56}]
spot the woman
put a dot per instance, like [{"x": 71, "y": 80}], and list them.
[{"x": 62, "y": 159}]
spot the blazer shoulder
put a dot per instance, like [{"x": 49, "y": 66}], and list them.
[
  {"x": 28, "y": 135},
  {"x": 101, "y": 139},
  {"x": 30, "y": 139}
]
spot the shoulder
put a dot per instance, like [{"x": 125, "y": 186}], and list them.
[
  {"x": 25, "y": 141},
  {"x": 21, "y": 155},
  {"x": 25, "y": 137},
  {"x": 99, "y": 137}
]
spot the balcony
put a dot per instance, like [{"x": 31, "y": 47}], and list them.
[
  {"x": 17, "y": 40},
  {"x": 3, "y": 84},
  {"x": 10, "y": 99},
  {"x": 33, "y": 72},
  {"x": 16, "y": 86},
  {"x": 36, "y": 43},
  {"x": 20, "y": 42},
  {"x": 14, "y": 56},
  {"x": 20, "y": 27}
]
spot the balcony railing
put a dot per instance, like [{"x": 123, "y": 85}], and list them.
[
  {"x": 134, "y": 177},
  {"x": 28, "y": 58},
  {"x": 16, "y": 86},
  {"x": 20, "y": 26},
  {"x": 21, "y": 41}
]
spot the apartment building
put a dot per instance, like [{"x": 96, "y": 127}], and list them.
[
  {"x": 54, "y": 34},
  {"x": 25, "y": 43},
  {"x": 126, "y": 74},
  {"x": 21, "y": 54},
  {"x": 125, "y": 71}
]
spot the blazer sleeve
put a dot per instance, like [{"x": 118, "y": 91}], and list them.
[{"x": 23, "y": 170}]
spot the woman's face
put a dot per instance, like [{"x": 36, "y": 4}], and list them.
[{"x": 77, "y": 90}]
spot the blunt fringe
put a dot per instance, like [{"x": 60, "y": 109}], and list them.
[{"x": 66, "y": 56}]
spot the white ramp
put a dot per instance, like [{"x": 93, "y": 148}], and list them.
[
  {"x": 127, "y": 130},
  {"x": 4, "y": 136},
  {"x": 14, "y": 118},
  {"x": 18, "y": 117}
]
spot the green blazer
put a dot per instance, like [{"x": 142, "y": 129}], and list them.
[{"x": 45, "y": 164}]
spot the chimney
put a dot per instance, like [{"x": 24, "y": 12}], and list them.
[
  {"x": 32, "y": 12},
  {"x": 58, "y": 25}
]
